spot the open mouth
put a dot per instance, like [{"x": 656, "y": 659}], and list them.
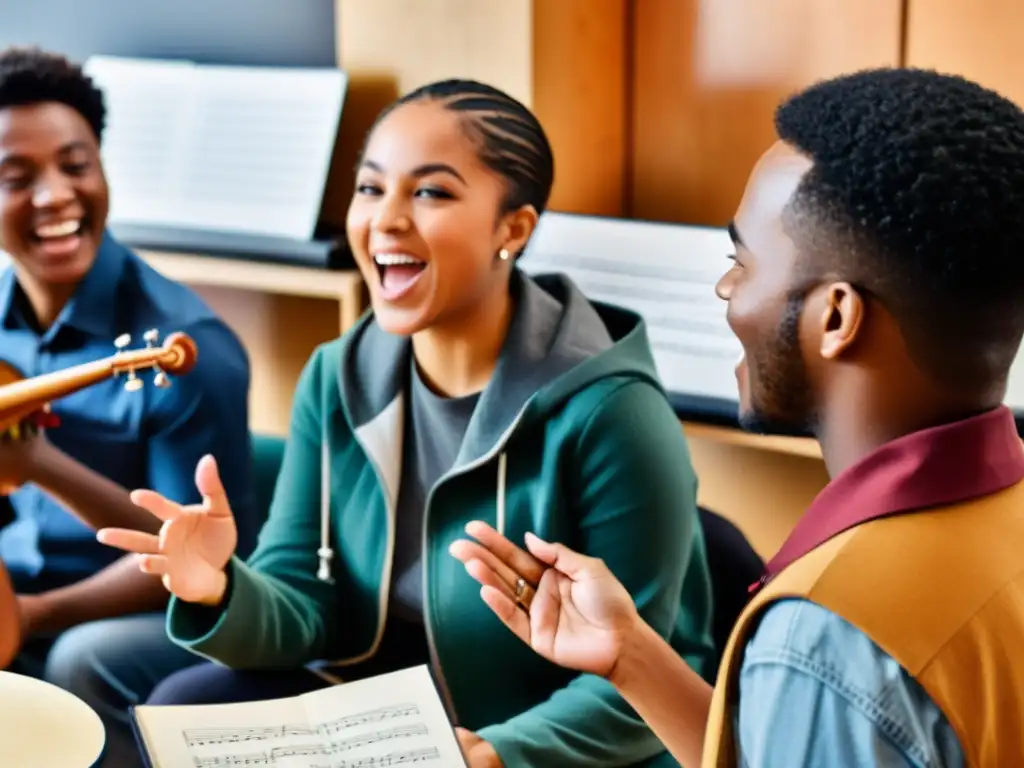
[
  {"x": 398, "y": 273},
  {"x": 59, "y": 238}
]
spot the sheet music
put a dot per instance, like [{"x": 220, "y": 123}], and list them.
[
  {"x": 230, "y": 148},
  {"x": 1015, "y": 390},
  {"x": 666, "y": 273},
  {"x": 391, "y": 720}
]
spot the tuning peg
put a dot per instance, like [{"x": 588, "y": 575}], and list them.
[
  {"x": 122, "y": 341},
  {"x": 134, "y": 383},
  {"x": 151, "y": 337},
  {"x": 161, "y": 380}
]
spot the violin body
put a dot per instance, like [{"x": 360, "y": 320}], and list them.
[
  {"x": 24, "y": 411},
  {"x": 10, "y": 622},
  {"x": 10, "y": 423}
]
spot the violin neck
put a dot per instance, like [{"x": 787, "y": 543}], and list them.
[{"x": 20, "y": 398}]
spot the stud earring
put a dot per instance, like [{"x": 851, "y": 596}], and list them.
[{"x": 503, "y": 254}]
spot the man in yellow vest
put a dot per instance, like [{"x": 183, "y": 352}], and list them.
[{"x": 878, "y": 291}]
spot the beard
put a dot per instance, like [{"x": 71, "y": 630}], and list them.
[{"x": 778, "y": 385}]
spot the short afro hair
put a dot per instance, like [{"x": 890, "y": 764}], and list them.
[
  {"x": 917, "y": 185},
  {"x": 31, "y": 76}
]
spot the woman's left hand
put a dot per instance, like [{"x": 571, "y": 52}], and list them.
[{"x": 479, "y": 753}]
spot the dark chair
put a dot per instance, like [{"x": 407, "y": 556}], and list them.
[
  {"x": 6, "y": 511},
  {"x": 267, "y": 453},
  {"x": 734, "y": 566}
]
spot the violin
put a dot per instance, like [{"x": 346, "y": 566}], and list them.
[
  {"x": 23, "y": 400},
  {"x": 25, "y": 410}
]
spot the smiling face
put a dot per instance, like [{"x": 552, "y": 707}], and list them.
[
  {"x": 767, "y": 300},
  {"x": 426, "y": 222},
  {"x": 53, "y": 194}
]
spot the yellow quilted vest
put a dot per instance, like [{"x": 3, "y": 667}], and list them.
[{"x": 942, "y": 592}]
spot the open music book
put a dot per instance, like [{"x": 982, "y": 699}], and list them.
[{"x": 389, "y": 720}]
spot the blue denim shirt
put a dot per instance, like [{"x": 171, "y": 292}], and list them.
[
  {"x": 815, "y": 691},
  {"x": 151, "y": 438}
]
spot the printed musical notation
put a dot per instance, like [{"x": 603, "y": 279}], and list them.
[
  {"x": 301, "y": 741},
  {"x": 196, "y": 737},
  {"x": 374, "y": 761},
  {"x": 325, "y": 749},
  {"x": 391, "y": 720}
]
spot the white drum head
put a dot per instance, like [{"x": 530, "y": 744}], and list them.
[{"x": 43, "y": 726}]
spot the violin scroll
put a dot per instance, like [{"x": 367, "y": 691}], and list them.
[
  {"x": 21, "y": 397},
  {"x": 177, "y": 356}
]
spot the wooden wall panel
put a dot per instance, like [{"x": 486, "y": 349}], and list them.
[
  {"x": 580, "y": 93},
  {"x": 708, "y": 75},
  {"x": 566, "y": 59},
  {"x": 981, "y": 39}
]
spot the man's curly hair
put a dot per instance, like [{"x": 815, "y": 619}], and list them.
[
  {"x": 916, "y": 195},
  {"x": 31, "y": 76}
]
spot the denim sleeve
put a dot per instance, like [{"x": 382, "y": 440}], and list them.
[{"x": 816, "y": 691}]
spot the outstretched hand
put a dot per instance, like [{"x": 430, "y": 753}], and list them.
[
  {"x": 566, "y": 606},
  {"x": 195, "y": 541}
]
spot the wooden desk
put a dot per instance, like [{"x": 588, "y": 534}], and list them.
[
  {"x": 792, "y": 446},
  {"x": 281, "y": 313},
  {"x": 343, "y": 286}
]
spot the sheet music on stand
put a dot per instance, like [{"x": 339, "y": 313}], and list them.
[
  {"x": 1015, "y": 389},
  {"x": 667, "y": 273},
  {"x": 224, "y": 148}
]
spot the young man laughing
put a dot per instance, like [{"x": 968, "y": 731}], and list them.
[{"x": 71, "y": 291}]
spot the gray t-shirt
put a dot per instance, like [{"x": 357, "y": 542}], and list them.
[{"x": 434, "y": 429}]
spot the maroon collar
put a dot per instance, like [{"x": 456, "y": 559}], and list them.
[{"x": 941, "y": 465}]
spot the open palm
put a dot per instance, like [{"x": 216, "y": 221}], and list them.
[
  {"x": 579, "y": 615},
  {"x": 195, "y": 541}
]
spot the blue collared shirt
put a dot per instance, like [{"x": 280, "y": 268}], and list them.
[
  {"x": 815, "y": 691},
  {"x": 150, "y": 438}
]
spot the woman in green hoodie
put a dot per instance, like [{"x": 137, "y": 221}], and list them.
[{"x": 470, "y": 392}]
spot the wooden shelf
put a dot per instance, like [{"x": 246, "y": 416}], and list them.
[
  {"x": 794, "y": 446},
  {"x": 345, "y": 286}
]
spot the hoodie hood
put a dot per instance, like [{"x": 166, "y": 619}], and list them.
[{"x": 559, "y": 342}]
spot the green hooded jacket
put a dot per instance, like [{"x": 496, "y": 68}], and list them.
[{"x": 573, "y": 439}]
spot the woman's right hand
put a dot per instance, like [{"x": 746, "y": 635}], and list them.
[
  {"x": 568, "y": 607},
  {"x": 195, "y": 541}
]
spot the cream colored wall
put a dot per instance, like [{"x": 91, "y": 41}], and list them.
[{"x": 418, "y": 41}]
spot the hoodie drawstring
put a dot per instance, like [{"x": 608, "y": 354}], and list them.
[
  {"x": 325, "y": 553},
  {"x": 502, "y": 471}
]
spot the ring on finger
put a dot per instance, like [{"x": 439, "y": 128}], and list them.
[{"x": 524, "y": 593}]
